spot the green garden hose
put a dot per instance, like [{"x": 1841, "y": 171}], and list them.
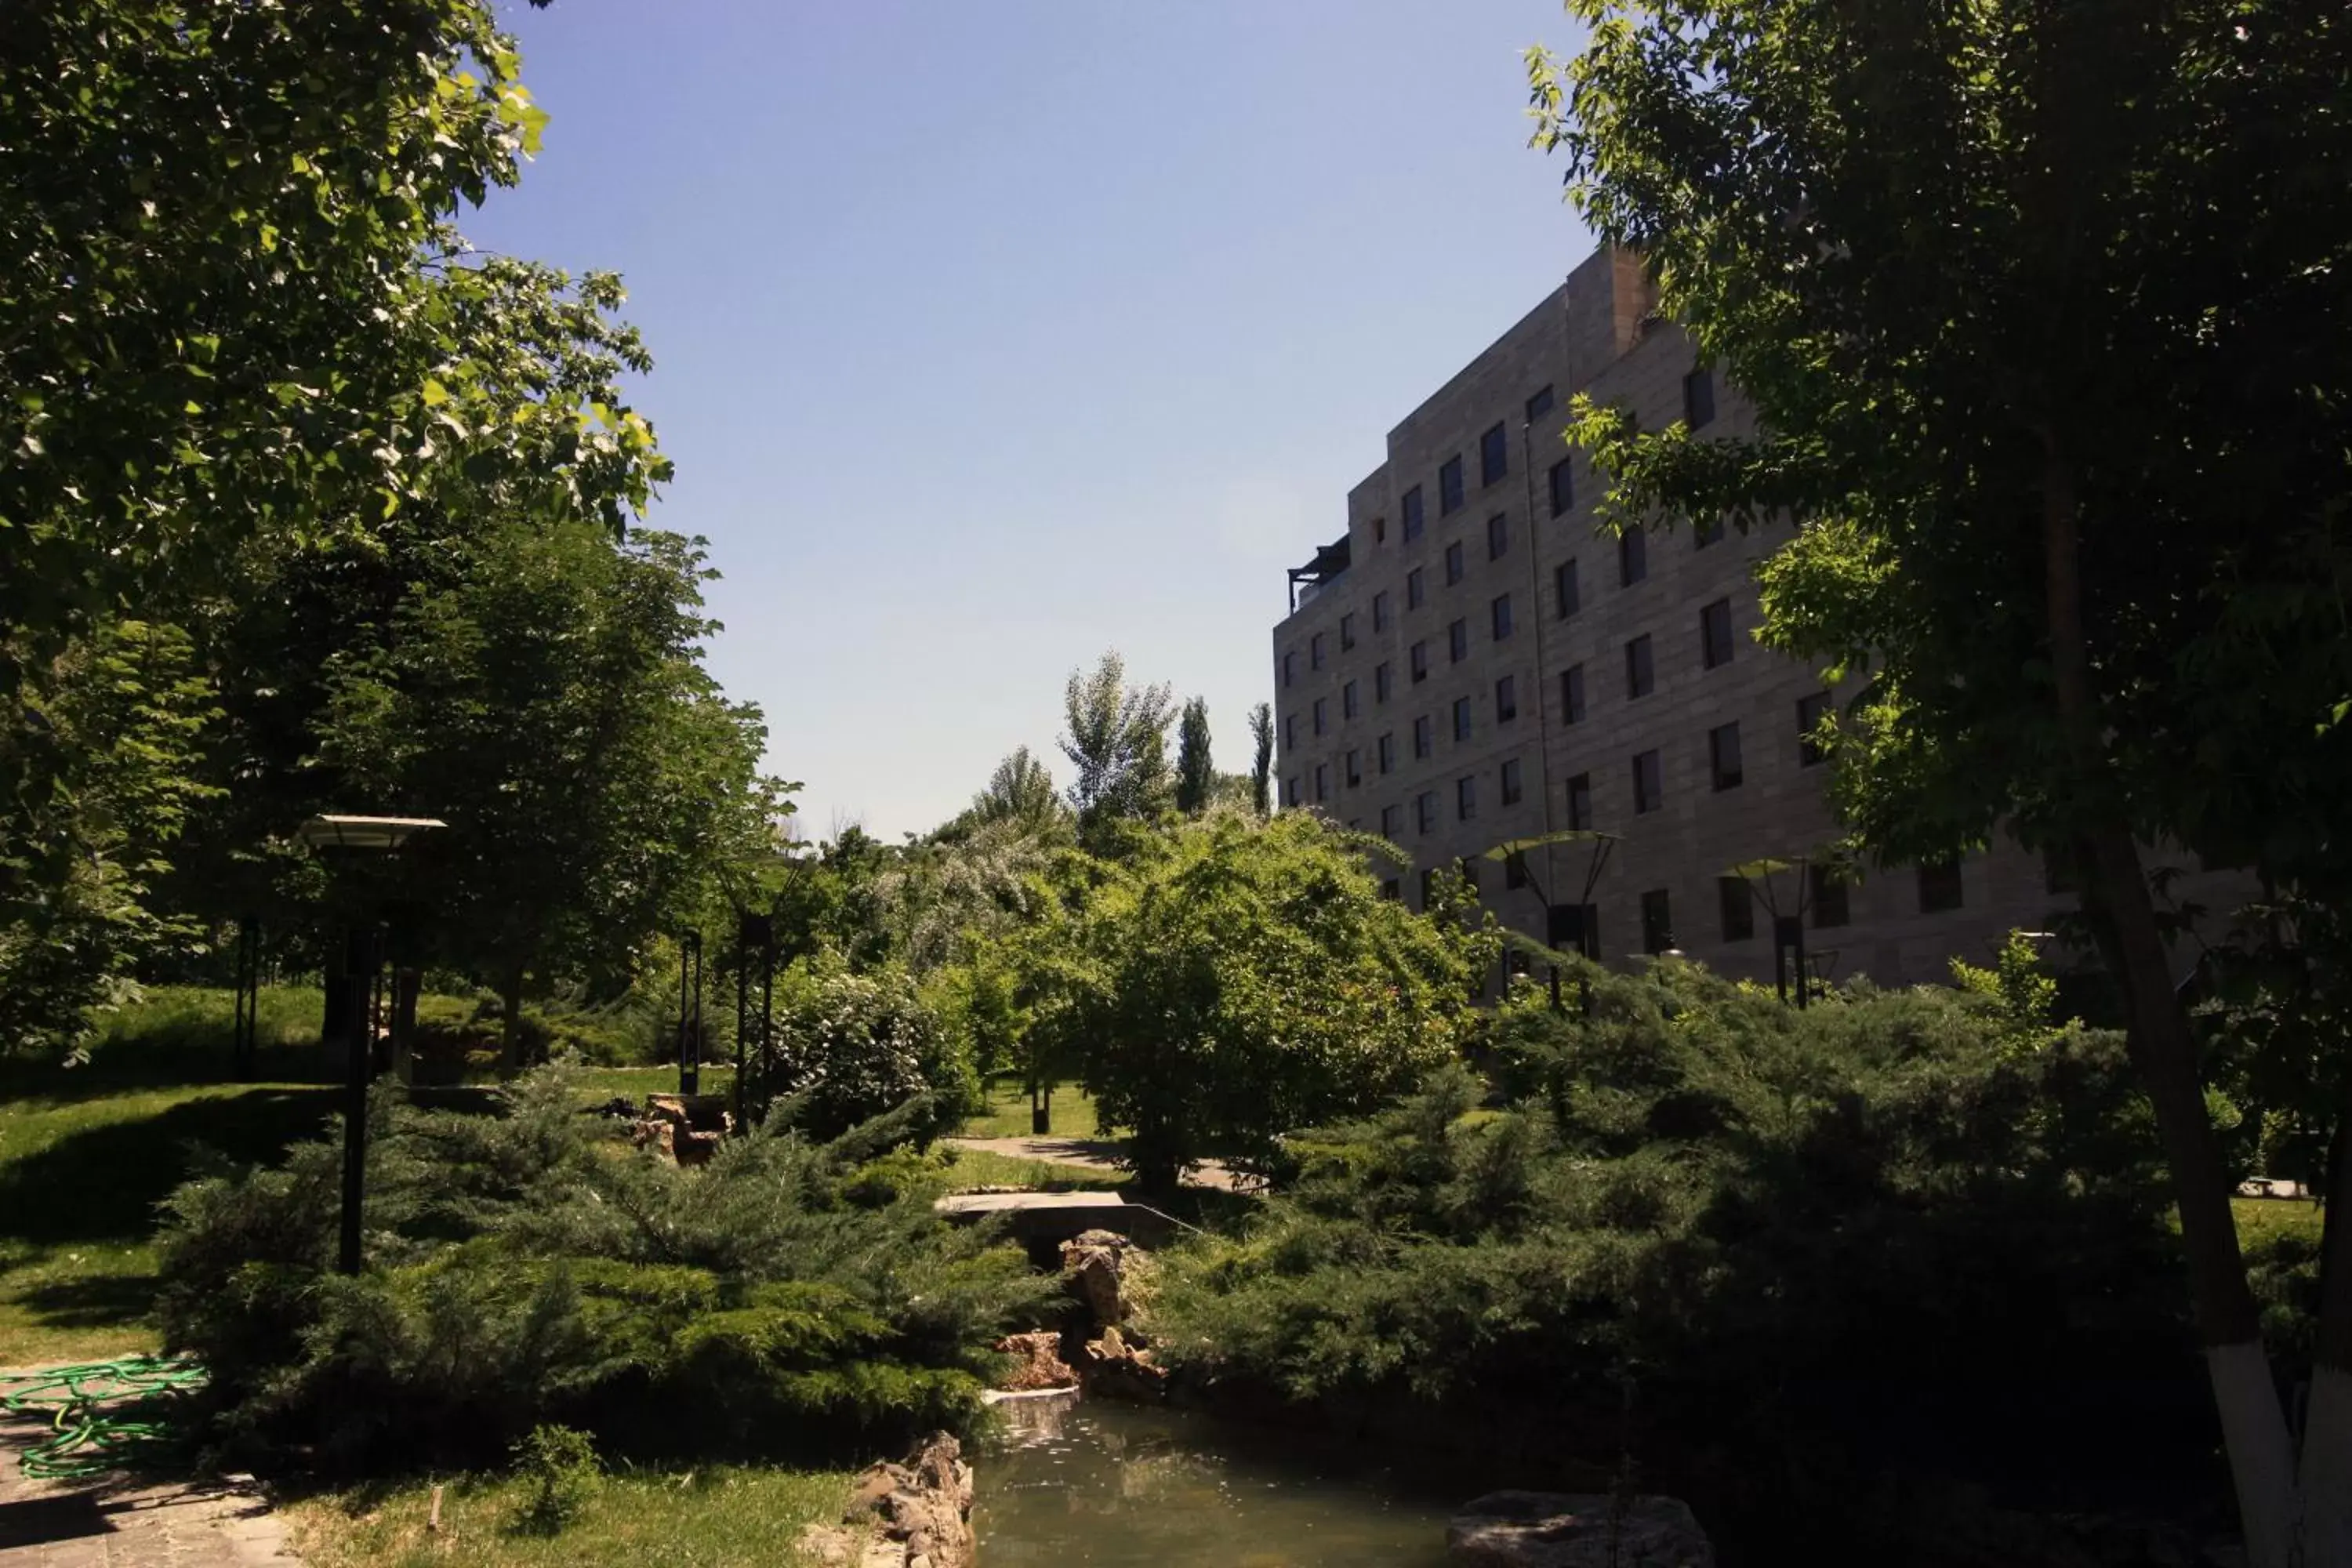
[{"x": 84, "y": 1440}]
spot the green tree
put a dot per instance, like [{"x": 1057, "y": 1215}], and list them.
[
  {"x": 2044, "y": 306},
  {"x": 1116, "y": 740},
  {"x": 1196, "y": 775},
  {"x": 1020, "y": 790},
  {"x": 1244, "y": 978},
  {"x": 1262, "y": 764}
]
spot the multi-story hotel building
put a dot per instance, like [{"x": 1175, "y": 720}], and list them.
[{"x": 1473, "y": 664}]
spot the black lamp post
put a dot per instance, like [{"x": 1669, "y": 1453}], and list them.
[
  {"x": 362, "y": 958},
  {"x": 1566, "y": 926}
]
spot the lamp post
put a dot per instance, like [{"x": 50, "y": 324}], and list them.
[
  {"x": 1576, "y": 925},
  {"x": 370, "y": 836}
]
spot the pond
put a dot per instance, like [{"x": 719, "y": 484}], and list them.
[{"x": 1109, "y": 1484}]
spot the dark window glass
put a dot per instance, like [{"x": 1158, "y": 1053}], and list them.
[
  {"x": 1500, "y": 614},
  {"x": 1707, "y": 532},
  {"x": 1417, "y": 657},
  {"x": 1322, "y": 714},
  {"x": 1494, "y": 456},
  {"x": 1449, "y": 486},
  {"x": 1388, "y": 752},
  {"x": 1506, "y": 700},
  {"x": 1322, "y": 781},
  {"x": 1465, "y": 799},
  {"x": 1424, "y": 809},
  {"x": 1579, "y": 803},
  {"x": 1698, "y": 398},
  {"x": 1939, "y": 887},
  {"x": 1379, "y": 530},
  {"x": 1290, "y": 790},
  {"x": 1811, "y": 709},
  {"x": 1416, "y": 589},
  {"x": 1572, "y": 695},
  {"x": 1737, "y": 901},
  {"x": 1351, "y": 770},
  {"x": 1457, "y": 641},
  {"x": 1290, "y": 667},
  {"x": 1380, "y": 611},
  {"x": 1314, "y": 651},
  {"x": 1498, "y": 535},
  {"x": 1649, "y": 785},
  {"x": 1640, "y": 674},
  {"x": 1383, "y": 682},
  {"x": 1563, "y": 488},
  {"x": 1715, "y": 634},
  {"x": 1392, "y": 889},
  {"x": 1392, "y": 823},
  {"x": 1462, "y": 718},
  {"x": 1290, "y": 731},
  {"x": 1453, "y": 564},
  {"x": 1428, "y": 882},
  {"x": 1425, "y": 736},
  {"x": 1469, "y": 870},
  {"x": 1566, "y": 598},
  {"x": 1347, "y": 631},
  {"x": 1413, "y": 515},
  {"x": 1349, "y": 706},
  {"x": 1723, "y": 756},
  {"x": 1511, "y": 787},
  {"x": 1633, "y": 557},
  {"x": 1515, "y": 871},
  {"x": 1829, "y": 891},
  {"x": 1657, "y": 922},
  {"x": 1539, "y": 405}
]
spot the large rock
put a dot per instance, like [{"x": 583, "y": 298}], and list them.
[
  {"x": 1105, "y": 1270},
  {"x": 1036, "y": 1362},
  {"x": 915, "y": 1515},
  {"x": 1577, "y": 1530},
  {"x": 684, "y": 1128},
  {"x": 1116, "y": 1368}
]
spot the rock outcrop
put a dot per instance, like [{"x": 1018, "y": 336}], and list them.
[
  {"x": 1037, "y": 1363},
  {"x": 914, "y": 1515},
  {"x": 1117, "y": 1367},
  {"x": 1107, "y": 1272},
  {"x": 686, "y": 1127},
  {"x": 1577, "y": 1530}
]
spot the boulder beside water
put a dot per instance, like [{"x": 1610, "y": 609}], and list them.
[
  {"x": 1577, "y": 1530},
  {"x": 915, "y": 1515}
]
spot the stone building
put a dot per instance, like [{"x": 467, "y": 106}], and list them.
[{"x": 1471, "y": 664}]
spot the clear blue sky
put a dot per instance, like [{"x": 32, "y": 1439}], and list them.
[{"x": 990, "y": 334}]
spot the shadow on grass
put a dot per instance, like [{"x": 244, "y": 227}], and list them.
[
  {"x": 96, "y": 1301},
  {"x": 128, "y": 1065},
  {"x": 103, "y": 1182}
]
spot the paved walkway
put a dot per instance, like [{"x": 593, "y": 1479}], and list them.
[
  {"x": 1097, "y": 1155},
  {"x": 129, "y": 1522}
]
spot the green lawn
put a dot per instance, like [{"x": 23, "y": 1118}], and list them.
[
  {"x": 979, "y": 1168},
  {"x": 1007, "y": 1115},
  {"x": 2259, "y": 1219},
  {"x": 710, "y": 1517}
]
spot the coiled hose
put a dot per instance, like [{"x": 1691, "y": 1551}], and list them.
[{"x": 85, "y": 1440}]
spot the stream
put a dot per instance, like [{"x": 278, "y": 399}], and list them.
[{"x": 1112, "y": 1484}]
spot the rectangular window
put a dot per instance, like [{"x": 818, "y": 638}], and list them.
[
  {"x": 1539, "y": 405},
  {"x": 1736, "y": 902},
  {"x": 1506, "y": 700},
  {"x": 1453, "y": 564},
  {"x": 1428, "y": 884},
  {"x": 1290, "y": 733},
  {"x": 1723, "y": 756},
  {"x": 1579, "y": 803},
  {"x": 1411, "y": 507},
  {"x": 1939, "y": 887},
  {"x": 1469, "y": 870},
  {"x": 1290, "y": 790},
  {"x": 1462, "y": 718},
  {"x": 1494, "y": 456},
  {"x": 1449, "y": 486},
  {"x": 1416, "y": 589},
  {"x": 1698, "y": 398},
  {"x": 1649, "y": 783},
  {"x": 1633, "y": 557},
  {"x": 1314, "y": 651},
  {"x": 1290, "y": 667},
  {"x": 1572, "y": 695},
  {"x": 1498, "y": 536},
  {"x": 1511, "y": 785},
  {"x": 1425, "y": 736},
  {"x": 1465, "y": 799},
  {"x": 1386, "y": 749},
  {"x": 1322, "y": 783},
  {"x": 1499, "y": 613},
  {"x": 1349, "y": 706},
  {"x": 1563, "y": 488},
  {"x": 1705, "y": 531},
  {"x": 1515, "y": 871},
  {"x": 1425, "y": 811},
  {"x": 1657, "y": 922},
  {"x": 1322, "y": 714},
  {"x": 1811, "y": 709},
  {"x": 1641, "y": 673},
  {"x": 1392, "y": 823},
  {"x": 1417, "y": 657},
  {"x": 1392, "y": 889},
  {"x": 1383, "y": 682},
  {"x": 1829, "y": 889},
  {"x": 1457, "y": 642},
  {"x": 1715, "y": 635},
  {"x": 1351, "y": 771},
  {"x": 1566, "y": 598},
  {"x": 1380, "y": 611},
  {"x": 1347, "y": 631}
]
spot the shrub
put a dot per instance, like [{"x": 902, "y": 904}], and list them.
[
  {"x": 561, "y": 1468},
  {"x": 849, "y": 1045}
]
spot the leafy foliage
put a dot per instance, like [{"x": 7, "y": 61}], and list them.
[
  {"x": 1196, "y": 773},
  {"x": 1116, "y": 740},
  {"x": 850, "y": 1046}
]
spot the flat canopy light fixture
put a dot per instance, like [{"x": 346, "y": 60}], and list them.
[{"x": 363, "y": 831}]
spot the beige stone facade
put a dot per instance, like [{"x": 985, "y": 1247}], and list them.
[{"x": 1493, "y": 546}]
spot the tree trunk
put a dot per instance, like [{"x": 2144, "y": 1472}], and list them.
[
  {"x": 510, "y": 1010},
  {"x": 2253, "y": 1426},
  {"x": 2327, "y": 1417}
]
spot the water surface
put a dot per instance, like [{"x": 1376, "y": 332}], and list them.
[{"x": 1109, "y": 1484}]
